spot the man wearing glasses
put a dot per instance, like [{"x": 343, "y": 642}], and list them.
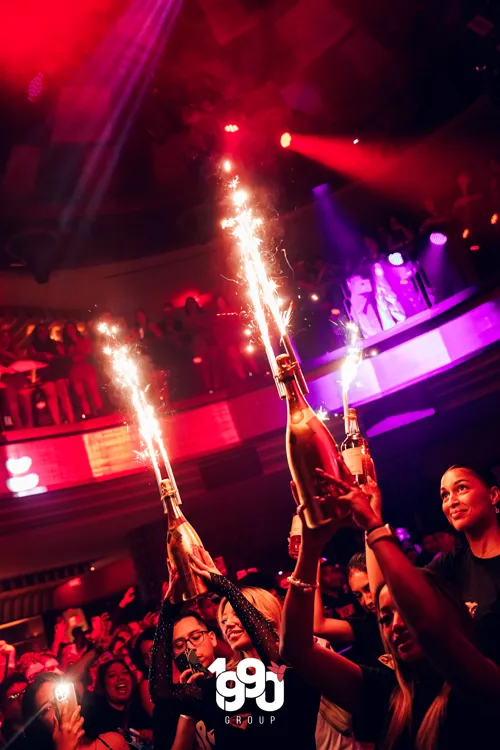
[
  {"x": 190, "y": 634},
  {"x": 11, "y": 697}
]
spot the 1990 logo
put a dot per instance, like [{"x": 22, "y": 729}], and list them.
[{"x": 249, "y": 680}]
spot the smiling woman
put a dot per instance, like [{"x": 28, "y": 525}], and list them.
[{"x": 471, "y": 503}]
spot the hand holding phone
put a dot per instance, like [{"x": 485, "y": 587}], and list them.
[{"x": 64, "y": 696}]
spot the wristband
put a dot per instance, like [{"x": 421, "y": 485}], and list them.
[
  {"x": 372, "y": 528},
  {"x": 381, "y": 532}
]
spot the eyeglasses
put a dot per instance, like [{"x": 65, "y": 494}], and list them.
[
  {"x": 16, "y": 696},
  {"x": 195, "y": 639}
]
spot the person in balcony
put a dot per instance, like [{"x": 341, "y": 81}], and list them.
[
  {"x": 82, "y": 373},
  {"x": 53, "y": 377}
]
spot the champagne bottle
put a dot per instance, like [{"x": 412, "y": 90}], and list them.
[
  {"x": 309, "y": 446},
  {"x": 182, "y": 540},
  {"x": 356, "y": 452},
  {"x": 295, "y": 538}
]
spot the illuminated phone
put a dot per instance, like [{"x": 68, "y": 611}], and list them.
[{"x": 64, "y": 693}]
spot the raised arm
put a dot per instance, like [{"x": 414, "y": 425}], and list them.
[
  {"x": 263, "y": 636},
  {"x": 427, "y": 613},
  {"x": 334, "y": 676},
  {"x": 337, "y": 631}
]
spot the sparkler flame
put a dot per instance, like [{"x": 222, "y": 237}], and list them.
[
  {"x": 351, "y": 363},
  {"x": 128, "y": 377}
]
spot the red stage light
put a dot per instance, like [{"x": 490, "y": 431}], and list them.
[
  {"x": 231, "y": 128},
  {"x": 197, "y": 360},
  {"x": 494, "y": 219},
  {"x": 285, "y": 140},
  {"x": 75, "y": 582},
  {"x": 474, "y": 248},
  {"x": 465, "y": 233}
]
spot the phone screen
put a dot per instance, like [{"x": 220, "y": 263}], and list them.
[{"x": 181, "y": 662}]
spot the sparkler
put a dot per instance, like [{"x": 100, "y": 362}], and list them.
[
  {"x": 128, "y": 377},
  {"x": 350, "y": 366},
  {"x": 263, "y": 291}
]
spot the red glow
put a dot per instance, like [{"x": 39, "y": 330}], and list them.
[
  {"x": 285, "y": 140},
  {"x": 474, "y": 248},
  {"x": 35, "y": 87},
  {"x": 465, "y": 233},
  {"x": 74, "y": 582},
  {"x": 335, "y": 311},
  {"x": 494, "y": 219},
  {"x": 197, "y": 360},
  {"x": 231, "y": 128}
]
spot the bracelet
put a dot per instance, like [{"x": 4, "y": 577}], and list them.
[{"x": 302, "y": 585}]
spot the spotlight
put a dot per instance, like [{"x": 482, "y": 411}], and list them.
[
  {"x": 494, "y": 219},
  {"x": 356, "y": 141},
  {"x": 227, "y": 166},
  {"x": 231, "y": 128},
  {"x": 92, "y": 568},
  {"x": 475, "y": 248},
  {"x": 465, "y": 233},
  {"x": 438, "y": 238},
  {"x": 250, "y": 348},
  {"x": 247, "y": 332},
  {"x": 314, "y": 297},
  {"x": 197, "y": 360},
  {"x": 396, "y": 259},
  {"x": 285, "y": 140},
  {"x": 335, "y": 311}
]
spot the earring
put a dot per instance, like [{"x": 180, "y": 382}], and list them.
[{"x": 497, "y": 509}]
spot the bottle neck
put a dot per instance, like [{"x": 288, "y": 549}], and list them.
[
  {"x": 171, "y": 503},
  {"x": 294, "y": 395},
  {"x": 352, "y": 425}
]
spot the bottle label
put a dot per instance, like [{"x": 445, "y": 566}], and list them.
[{"x": 354, "y": 460}]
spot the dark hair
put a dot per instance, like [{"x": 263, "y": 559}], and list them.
[
  {"x": 100, "y": 688},
  {"x": 483, "y": 473},
  {"x": 6, "y": 685},
  {"x": 67, "y": 341},
  {"x": 136, "y": 653},
  {"x": 191, "y": 613},
  {"x": 36, "y": 732},
  {"x": 198, "y": 308},
  {"x": 357, "y": 562}
]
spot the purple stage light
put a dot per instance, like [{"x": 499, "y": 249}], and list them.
[
  {"x": 396, "y": 259},
  {"x": 438, "y": 238}
]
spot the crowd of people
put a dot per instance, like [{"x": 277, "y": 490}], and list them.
[
  {"x": 56, "y": 373},
  {"x": 401, "y": 651}
]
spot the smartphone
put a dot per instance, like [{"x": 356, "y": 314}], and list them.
[
  {"x": 181, "y": 662},
  {"x": 64, "y": 693}
]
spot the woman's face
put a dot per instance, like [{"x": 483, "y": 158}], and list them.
[
  {"x": 396, "y": 634},
  {"x": 360, "y": 587},
  {"x": 45, "y": 697},
  {"x": 234, "y": 632},
  {"x": 118, "y": 684},
  {"x": 146, "y": 647},
  {"x": 467, "y": 503}
]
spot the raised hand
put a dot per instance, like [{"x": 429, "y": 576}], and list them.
[
  {"x": 359, "y": 500},
  {"x": 68, "y": 731}
]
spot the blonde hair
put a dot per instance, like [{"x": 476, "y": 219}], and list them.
[
  {"x": 401, "y": 704},
  {"x": 267, "y": 604}
]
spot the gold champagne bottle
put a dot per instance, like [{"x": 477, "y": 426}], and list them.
[
  {"x": 355, "y": 451},
  {"x": 309, "y": 445},
  {"x": 182, "y": 540}
]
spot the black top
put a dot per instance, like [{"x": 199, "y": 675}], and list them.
[
  {"x": 340, "y": 607},
  {"x": 464, "y": 726},
  {"x": 367, "y": 642},
  {"x": 232, "y": 730},
  {"x": 477, "y": 583},
  {"x": 100, "y": 717}
]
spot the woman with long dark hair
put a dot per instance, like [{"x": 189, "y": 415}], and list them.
[
  {"x": 49, "y": 732},
  {"x": 443, "y": 693}
]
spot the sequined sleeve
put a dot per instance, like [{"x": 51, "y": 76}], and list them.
[
  {"x": 262, "y": 634},
  {"x": 186, "y": 699}
]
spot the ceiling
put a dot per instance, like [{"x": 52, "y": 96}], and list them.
[{"x": 345, "y": 67}]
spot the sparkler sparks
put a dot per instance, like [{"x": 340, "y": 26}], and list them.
[
  {"x": 351, "y": 364},
  {"x": 322, "y": 414},
  {"x": 128, "y": 377},
  {"x": 263, "y": 290}
]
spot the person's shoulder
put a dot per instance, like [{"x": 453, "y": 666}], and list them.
[{"x": 446, "y": 566}]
